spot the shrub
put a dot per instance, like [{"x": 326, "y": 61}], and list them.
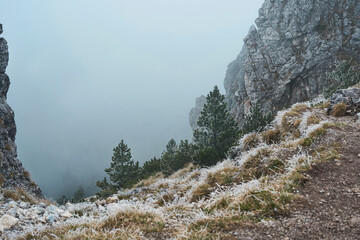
[{"x": 339, "y": 110}]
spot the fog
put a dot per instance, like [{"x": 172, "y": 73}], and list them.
[{"x": 87, "y": 73}]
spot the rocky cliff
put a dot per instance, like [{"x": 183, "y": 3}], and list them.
[
  {"x": 12, "y": 173},
  {"x": 287, "y": 54},
  {"x": 195, "y": 112}
]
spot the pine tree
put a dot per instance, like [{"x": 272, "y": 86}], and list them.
[
  {"x": 150, "y": 167},
  {"x": 123, "y": 171},
  {"x": 217, "y": 130},
  {"x": 106, "y": 188},
  {"x": 79, "y": 195},
  {"x": 167, "y": 157},
  {"x": 256, "y": 120},
  {"x": 176, "y": 156}
]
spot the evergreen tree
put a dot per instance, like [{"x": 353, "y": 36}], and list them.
[
  {"x": 123, "y": 171},
  {"x": 167, "y": 157},
  {"x": 184, "y": 154},
  {"x": 62, "y": 200},
  {"x": 256, "y": 120},
  {"x": 175, "y": 157},
  {"x": 79, "y": 195},
  {"x": 150, "y": 167},
  {"x": 106, "y": 188},
  {"x": 217, "y": 130}
]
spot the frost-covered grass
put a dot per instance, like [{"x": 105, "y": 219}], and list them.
[{"x": 257, "y": 183}]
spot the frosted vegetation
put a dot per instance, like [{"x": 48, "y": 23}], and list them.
[{"x": 256, "y": 183}]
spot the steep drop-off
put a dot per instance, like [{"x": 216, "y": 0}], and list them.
[
  {"x": 286, "y": 56},
  {"x": 12, "y": 173}
]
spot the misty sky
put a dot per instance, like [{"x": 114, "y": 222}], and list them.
[{"x": 87, "y": 73}]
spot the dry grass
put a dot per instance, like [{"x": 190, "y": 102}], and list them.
[
  {"x": 27, "y": 174},
  {"x": 312, "y": 119},
  {"x": 200, "y": 192},
  {"x": 317, "y": 132},
  {"x": 167, "y": 197},
  {"x": 271, "y": 136},
  {"x": 150, "y": 180},
  {"x": 18, "y": 194},
  {"x": 339, "y": 110},
  {"x": 222, "y": 177},
  {"x": 251, "y": 141},
  {"x": 328, "y": 152},
  {"x": 290, "y": 121},
  {"x": 300, "y": 108},
  {"x": 8, "y": 147},
  {"x": 322, "y": 105},
  {"x": 124, "y": 225},
  {"x": 265, "y": 203}
]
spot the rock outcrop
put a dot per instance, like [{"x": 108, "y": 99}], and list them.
[
  {"x": 350, "y": 97},
  {"x": 12, "y": 173},
  {"x": 286, "y": 56},
  {"x": 195, "y": 112}
]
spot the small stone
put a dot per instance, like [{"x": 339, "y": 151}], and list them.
[
  {"x": 24, "y": 204},
  {"x": 52, "y": 218},
  {"x": 66, "y": 214},
  {"x": 7, "y": 221},
  {"x": 359, "y": 155},
  {"x": 354, "y": 222},
  {"x": 112, "y": 199}
]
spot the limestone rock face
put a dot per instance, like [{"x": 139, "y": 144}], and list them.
[
  {"x": 12, "y": 173},
  {"x": 286, "y": 56},
  {"x": 195, "y": 112}
]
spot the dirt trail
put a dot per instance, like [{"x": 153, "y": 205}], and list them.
[{"x": 330, "y": 199}]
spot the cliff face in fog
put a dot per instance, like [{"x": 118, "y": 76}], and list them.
[
  {"x": 286, "y": 56},
  {"x": 12, "y": 173}
]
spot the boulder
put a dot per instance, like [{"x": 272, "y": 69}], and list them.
[
  {"x": 7, "y": 221},
  {"x": 351, "y": 97}
]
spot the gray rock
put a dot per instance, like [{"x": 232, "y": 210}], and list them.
[
  {"x": 286, "y": 56},
  {"x": 7, "y": 221},
  {"x": 52, "y": 218},
  {"x": 195, "y": 112},
  {"x": 24, "y": 205},
  {"x": 351, "y": 97},
  {"x": 12, "y": 173}
]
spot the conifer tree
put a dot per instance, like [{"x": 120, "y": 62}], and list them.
[
  {"x": 167, "y": 156},
  {"x": 123, "y": 171},
  {"x": 150, "y": 167},
  {"x": 217, "y": 130},
  {"x": 79, "y": 195}
]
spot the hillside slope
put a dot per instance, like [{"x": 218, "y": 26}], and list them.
[{"x": 299, "y": 178}]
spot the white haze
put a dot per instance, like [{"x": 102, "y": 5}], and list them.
[{"x": 86, "y": 74}]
